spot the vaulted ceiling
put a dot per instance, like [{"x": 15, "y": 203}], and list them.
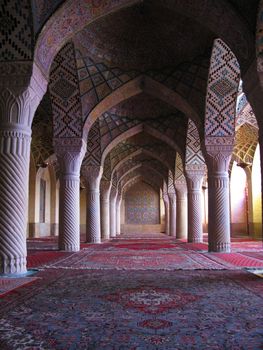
[{"x": 169, "y": 42}]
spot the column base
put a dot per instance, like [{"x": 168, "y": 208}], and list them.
[
  {"x": 69, "y": 248},
  {"x": 195, "y": 240},
  {"x": 15, "y": 265},
  {"x": 94, "y": 241},
  {"x": 221, "y": 247}
]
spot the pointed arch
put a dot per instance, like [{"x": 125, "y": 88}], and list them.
[{"x": 136, "y": 86}]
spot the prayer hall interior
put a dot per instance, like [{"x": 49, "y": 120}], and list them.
[{"x": 131, "y": 155}]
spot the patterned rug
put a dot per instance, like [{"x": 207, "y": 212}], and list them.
[
  {"x": 8, "y": 285},
  {"x": 231, "y": 260},
  {"x": 134, "y": 310},
  {"x": 37, "y": 258},
  {"x": 125, "y": 259}
]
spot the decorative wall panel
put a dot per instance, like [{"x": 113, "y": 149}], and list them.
[
  {"x": 64, "y": 93},
  {"x": 223, "y": 83},
  {"x": 142, "y": 204}
]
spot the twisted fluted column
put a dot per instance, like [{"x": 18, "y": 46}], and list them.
[
  {"x": 21, "y": 88},
  {"x": 218, "y": 197},
  {"x": 172, "y": 216},
  {"x": 113, "y": 198},
  {"x": 181, "y": 210},
  {"x": 14, "y": 170},
  {"x": 167, "y": 213},
  {"x": 118, "y": 214},
  {"x": 194, "y": 180},
  {"x": 70, "y": 153},
  {"x": 105, "y": 187},
  {"x": 92, "y": 175}
]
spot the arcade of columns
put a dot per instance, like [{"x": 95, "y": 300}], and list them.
[{"x": 80, "y": 149}]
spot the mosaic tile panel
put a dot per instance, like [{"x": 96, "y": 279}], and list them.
[
  {"x": 64, "y": 93},
  {"x": 93, "y": 153},
  {"x": 170, "y": 182},
  {"x": 245, "y": 113},
  {"x": 189, "y": 79},
  {"x": 16, "y": 32},
  {"x": 121, "y": 151},
  {"x": 107, "y": 168},
  {"x": 142, "y": 205},
  {"x": 179, "y": 169},
  {"x": 193, "y": 154},
  {"x": 173, "y": 126},
  {"x": 42, "y": 10},
  {"x": 96, "y": 81},
  {"x": 42, "y": 131},
  {"x": 223, "y": 83},
  {"x": 61, "y": 28},
  {"x": 127, "y": 166}
]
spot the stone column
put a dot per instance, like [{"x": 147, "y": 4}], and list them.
[
  {"x": 167, "y": 213},
  {"x": 118, "y": 214},
  {"x": 194, "y": 178},
  {"x": 21, "y": 88},
  {"x": 113, "y": 198},
  {"x": 172, "y": 216},
  {"x": 105, "y": 187},
  {"x": 92, "y": 175},
  {"x": 219, "y": 157},
  {"x": 181, "y": 210},
  {"x": 70, "y": 153}
]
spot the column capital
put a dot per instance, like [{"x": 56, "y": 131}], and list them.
[
  {"x": 105, "y": 187},
  {"x": 92, "y": 174},
  {"x": 22, "y": 86},
  {"x": 218, "y": 157},
  {"x": 165, "y": 197},
  {"x": 113, "y": 193},
  {"x": 172, "y": 197},
  {"x": 70, "y": 153},
  {"x": 194, "y": 178}
]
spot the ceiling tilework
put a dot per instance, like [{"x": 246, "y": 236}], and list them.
[
  {"x": 42, "y": 132},
  {"x": 97, "y": 80},
  {"x": 16, "y": 31},
  {"x": 246, "y": 141},
  {"x": 42, "y": 10}
]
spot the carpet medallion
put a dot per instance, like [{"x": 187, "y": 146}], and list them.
[{"x": 138, "y": 310}]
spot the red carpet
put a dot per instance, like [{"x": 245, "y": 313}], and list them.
[
  {"x": 39, "y": 258},
  {"x": 235, "y": 259},
  {"x": 8, "y": 285},
  {"x": 106, "y": 310}
]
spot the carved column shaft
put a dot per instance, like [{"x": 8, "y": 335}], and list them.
[
  {"x": 22, "y": 86},
  {"x": 92, "y": 175},
  {"x": 172, "y": 216},
  {"x": 105, "y": 187},
  {"x": 167, "y": 213},
  {"x": 118, "y": 215},
  {"x": 218, "y": 197},
  {"x": 70, "y": 153},
  {"x": 194, "y": 180},
  {"x": 181, "y": 211},
  {"x": 14, "y": 169},
  {"x": 113, "y": 198}
]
